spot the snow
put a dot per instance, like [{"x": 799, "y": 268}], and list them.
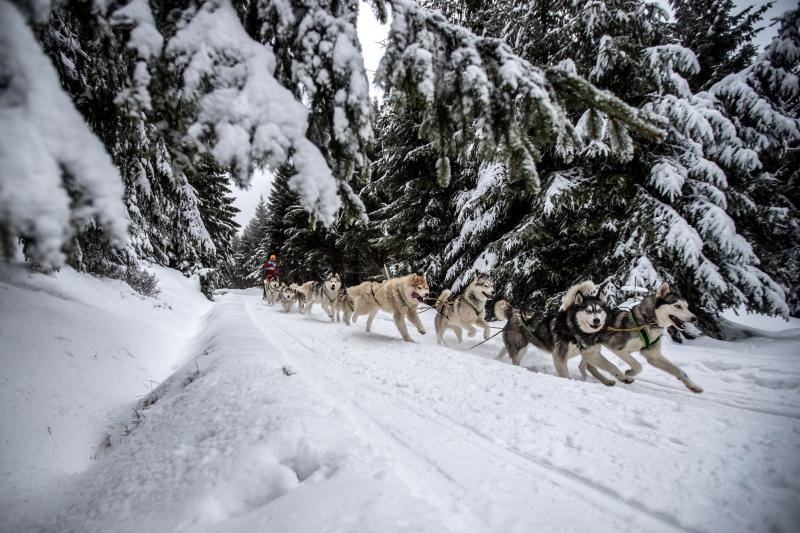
[
  {"x": 668, "y": 178},
  {"x": 285, "y": 422},
  {"x": 718, "y": 228},
  {"x": 76, "y": 352},
  {"x": 54, "y": 173},
  {"x": 558, "y": 186},
  {"x": 327, "y": 60},
  {"x": 642, "y": 275},
  {"x": 145, "y": 37},
  {"x": 249, "y": 117}
]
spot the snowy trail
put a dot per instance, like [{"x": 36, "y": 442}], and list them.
[
  {"x": 623, "y": 452},
  {"x": 285, "y": 422},
  {"x": 485, "y": 476}
]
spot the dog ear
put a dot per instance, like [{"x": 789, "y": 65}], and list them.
[
  {"x": 663, "y": 290},
  {"x": 579, "y": 298},
  {"x": 601, "y": 296}
]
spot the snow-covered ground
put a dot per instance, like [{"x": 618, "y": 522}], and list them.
[
  {"x": 75, "y": 354},
  {"x": 281, "y": 422}
]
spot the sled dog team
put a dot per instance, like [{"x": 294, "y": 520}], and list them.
[{"x": 581, "y": 326}]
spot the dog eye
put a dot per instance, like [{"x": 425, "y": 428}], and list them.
[{"x": 678, "y": 306}]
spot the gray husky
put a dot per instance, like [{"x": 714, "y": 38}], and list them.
[
  {"x": 271, "y": 290},
  {"x": 464, "y": 310},
  {"x": 640, "y": 330},
  {"x": 574, "y": 329},
  {"x": 286, "y": 297},
  {"x": 324, "y": 293}
]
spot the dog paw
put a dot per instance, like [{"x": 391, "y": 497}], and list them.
[
  {"x": 632, "y": 371},
  {"x": 422, "y": 331},
  {"x": 694, "y": 388},
  {"x": 626, "y": 379}
]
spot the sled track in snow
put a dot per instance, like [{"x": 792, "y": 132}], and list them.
[
  {"x": 600, "y": 496},
  {"x": 700, "y": 397}
]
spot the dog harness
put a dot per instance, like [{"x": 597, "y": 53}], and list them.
[
  {"x": 524, "y": 322},
  {"x": 325, "y": 294},
  {"x": 645, "y": 338},
  {"x": 477, "y": 313}
]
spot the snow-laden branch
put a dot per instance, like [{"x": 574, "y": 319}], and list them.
[
  {"x": 55, "y": 175},
  {"x": 245, "y": 118},
  {"x": 478, "y": 92}
]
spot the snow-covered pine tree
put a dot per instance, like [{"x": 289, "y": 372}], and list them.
[
  {"x": 480, "y": 96},
  {"x": 410, "y": 219},
  {"x": 218, "y": 215},
  {"x": 763, "y": 102},
  {"x": 319, "y": 58},
  {"x": 165, "y": 85},
  {"x": 720, "y": 34},
  {"x": 230, "y": 272},
  {"x": 249, "y": 254},
  {"x": 624, "y": 217},
  {"x": 305, "y": 249}
]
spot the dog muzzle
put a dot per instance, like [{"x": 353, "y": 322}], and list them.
[{"x": 416, "y": 296}]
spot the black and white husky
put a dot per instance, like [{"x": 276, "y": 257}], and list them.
[
  {"x": 640, "y": 328},
  {"x": 324, "y": 293},
  {"x": 572, "y": 330}
]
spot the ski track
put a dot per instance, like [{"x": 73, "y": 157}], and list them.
[{"x": 414, "y": 395}]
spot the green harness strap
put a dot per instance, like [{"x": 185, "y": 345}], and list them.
[
  {"x": 525, "y": 325},
  {"x": 527, "y": 328},
  {"x": 643, "y": 334}
]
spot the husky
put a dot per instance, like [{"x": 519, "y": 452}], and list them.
[
  {"x": 345, "y": 304},
  {"x": 271, "y": 289},
  {"x": 464, "y": 311},
  {"x": 287, "y": 297},
  {"x": 572, "y": 330},
  {"x": 640, "y": 330},
  {"x": 398, "y": 296},
  {"x": 300, "y": 294},
  {"x": 324, "y": 293}
]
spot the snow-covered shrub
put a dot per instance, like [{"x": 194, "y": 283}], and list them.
[{"x": 139, "y": 279}]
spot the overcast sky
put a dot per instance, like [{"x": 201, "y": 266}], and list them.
[{"x": 371, "y": 34}]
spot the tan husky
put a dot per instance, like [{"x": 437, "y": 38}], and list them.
[
  {"x": 398, "y": 296},
  {"x": 464, "y": 311}
]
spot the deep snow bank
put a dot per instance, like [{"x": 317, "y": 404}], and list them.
[
  {"x": 230, "y": 433},
  {"x": 76, "y": 352}
]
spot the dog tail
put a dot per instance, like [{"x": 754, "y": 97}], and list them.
[
  {"x": 501, "y": 309},
  {"x": 584, "y": 288},
  {"x": 443, "y": 296}
]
